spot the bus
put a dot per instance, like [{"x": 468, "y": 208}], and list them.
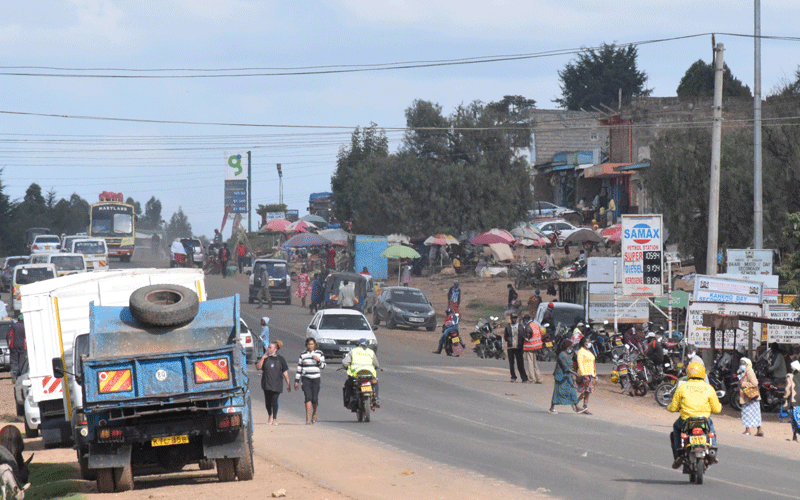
[{"x": 114, "y": 221}]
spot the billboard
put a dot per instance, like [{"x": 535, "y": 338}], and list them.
[
  {"x": 236, "y": 184},
  {"x": 629, "y": 309},
  {"x": 716, "y": 289},
  {"x": 700, "y": 335},
  {"x": 642, "y": 255},
  {"x": 749, "y": 262},
  {"x": 781, "y": 333}
]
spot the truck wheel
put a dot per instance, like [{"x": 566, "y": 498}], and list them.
[
  {"x": 30, "y": 433},
  {"x": 164, "y": 305},
  {"x": 206, "y": 464},
  {"x": 83, "y": 462},
  {"x": 105, "y": 480},
  {"x": 226, "y": 470},
  {"x": 123, "y": 478},
  {"x": 244, "y": 464}
]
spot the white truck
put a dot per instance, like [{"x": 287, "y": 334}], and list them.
[{"x": 56, "y": 312}]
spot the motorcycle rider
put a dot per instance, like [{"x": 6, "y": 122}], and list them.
[
  {"x": 654, "y": 350},
  {"x": 694, "y": 398},
  {"x": 358, "y": 359},
  {"x": 692, "y": 355},
  {"x": 777, "y": 364},
  {"x": 578, "y": 334},
  {"x": 450, "y": 323}
]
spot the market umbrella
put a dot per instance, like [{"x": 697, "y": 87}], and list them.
[
  {"x": 276, "y": 225},
  {"x": 398, "y": 239},
  {"x": 612, "y": 233},
  {"x": 532, "y": 242},
  {"x": 582, "y": 236},
  {"x": 337, "y": 236},
  {"x": 315, "y": 219},
  {"x": 493, "y": 236},
  {"x": 307, "y": 240},
  {"x": 299, "y": 226},
  {"x": 400, "y": 252},
  {"x": 527, "y": 231},
  {"x": 441, "y": 239}
]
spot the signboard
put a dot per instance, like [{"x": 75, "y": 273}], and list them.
[
  {"x": 601, "y": 269},
  {"x": 749, "y": 262},
  {"x": 769, "y": 295},
  {"x": 601, "y": 305},
  {"x": 292, "y": 215},
  {"x": 235, "y": 184},
  {"x": 780, "y": 333},
  {"x": 274, "y": 216},
  {"x": 642, "y": 255},
  {"x": 716, "y": 289},
  {"x": 679, "y": 299},
  {"x": 700, "y": 335}
]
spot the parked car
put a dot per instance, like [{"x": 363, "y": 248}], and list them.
[
  {"x": 280, "y": 284},
  {"x": 564, "y": 313},
  {"x": 547, "y": 209},
  {"x": 563, "y": 227},
  {"x": 8, "y": 266},
  {"x": 45, "y": 243},
  {"x": 404, "y": 306},
  {"x": 199, "y": 255},
  {"x": 337, "y": 331}
]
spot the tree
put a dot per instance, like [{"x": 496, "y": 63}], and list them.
[
  {"x": 598, "y": 75},
  {"x": 178, "y": 226},
  {"x": 7, "y": 242},
  {"x": 699, "y": 82},
  {"x": 790, "y": 269},
  {"x": 152, "y": 214},
  {"x": 137, "y": 207},
  {"x": 781, "y": 139},
  {"x": 354, "y": 165}
]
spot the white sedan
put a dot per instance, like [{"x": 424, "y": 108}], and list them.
[
  {"x": 337, "y": 331},
  {"x": 563, "y": 227}
]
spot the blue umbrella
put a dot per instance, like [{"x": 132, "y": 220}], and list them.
[{"x": 307, "y": 240}]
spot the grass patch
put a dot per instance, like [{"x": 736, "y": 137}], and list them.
[
  {"x": 476, "y": 309},
  {"x": 7, "y": 417},
  {"x": 53, "y": 481}
]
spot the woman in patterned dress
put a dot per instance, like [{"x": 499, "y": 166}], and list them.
[
  {"x": 303, "y": 285},
  {"x": 751, "y": 406}
]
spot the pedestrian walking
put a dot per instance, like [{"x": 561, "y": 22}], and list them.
[
  {"x": 793, "y": 398},
  {"x": 303, "y": 285},
  {"x": 564, "y": 388},
  {"x": 749, "y": 397},
  {"x": 263, "y": 291},
  {"x": 273, "y": 368},
  {"x": 532, "y": 343},
  {"x": 405, "y": 277},
  {"x": 309, "y": 370},
  {"x": 264, "y": 335},
  {"x": 330, "y": 257},
  {"x": 18, "y": 347},
  {"x": 317, "y": 293},
  {"x": 224, "y": 257},
  {"x": 241, "y": 256},
  {"x": 587, "y": 372},
  {"x": 512, "y": 295},
  {"x": 514, "y": 338},
  {"x": 533, "y": 303}
]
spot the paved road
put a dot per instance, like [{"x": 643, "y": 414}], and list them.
[{"x": 454, "y": 411}]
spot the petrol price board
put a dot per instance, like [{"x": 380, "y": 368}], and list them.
[{"x": 642, "y": 255}]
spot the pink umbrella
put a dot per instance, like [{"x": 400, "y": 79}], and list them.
[
  {"x": 612, "y": 233},
  {"x": 493, "y": 236},
  {"x": 299, "y": 226},
  {"x": 276, "y": 225},
  {"x": 441, "y": 239}
]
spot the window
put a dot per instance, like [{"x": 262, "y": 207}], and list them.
[
  {"x": 90, "y": 247},
  {"x": 409, "y": 297},
  {"x": 33, "y": 274},
  {"x": 68, "y": 263},
  {"x": 343, "y": 322}
]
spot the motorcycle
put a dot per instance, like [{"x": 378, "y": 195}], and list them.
[
  {"x": 452, "y": 344},
  {"x": 362, "y": 400},
  {"x": 630, "y": 372},
  {"x": 666, "y": 389},
  {"x": 698, "y": 453},
  {"x": 724, "y": 381},
  {"x": 487, "y": 343},
  {"x": 547, "y": 352}
]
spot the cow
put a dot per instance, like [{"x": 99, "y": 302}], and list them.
[
  {"x": 11, "y": 442},
  {"x": 9, "y": 488}
]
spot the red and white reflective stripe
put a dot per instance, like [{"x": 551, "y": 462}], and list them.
[{"x": 51, "y": 385}]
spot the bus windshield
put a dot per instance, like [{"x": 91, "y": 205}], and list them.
[{"x": 111, "y": 224}]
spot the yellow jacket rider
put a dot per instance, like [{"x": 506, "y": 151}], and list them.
[
  {"x": 694, "y": 398},
  {"x": 359, "y": 359}
]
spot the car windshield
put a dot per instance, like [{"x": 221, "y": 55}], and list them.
[
  {"x": 48, "y": 239},
  {"x": 16, "y": 261},
  {"x": 343, "y": 322},
  {"x": 29, "y": 275},
  {"x": 409, "y": 297},
  {"x": 87, "y": 247},
  {"x": 67, "y": 262},
  {"x": 276, "y": 270},
  {"x": 195, "y": 244},
  {"x": 566, "y": 316}
]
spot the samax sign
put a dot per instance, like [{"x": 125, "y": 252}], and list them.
[{"x": 642, "y": 255}]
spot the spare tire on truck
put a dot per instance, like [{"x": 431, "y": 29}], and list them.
[{"x": 164, "y": 305}]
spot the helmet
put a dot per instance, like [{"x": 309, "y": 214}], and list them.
[
  {"x": 652, "y": 335},
  {"x": 363, "y": 342},
  {"x": 696, "y": 370}
]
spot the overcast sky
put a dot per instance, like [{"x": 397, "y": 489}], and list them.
[{"x": 182, "y": 163}]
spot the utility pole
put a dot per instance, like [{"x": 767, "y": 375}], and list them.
[
  {"x": 713, "y": 187},
  {"x": 758, "y": 210},
  {"x": 280, "y": 184},
  {"x": 249, "y": 196}
]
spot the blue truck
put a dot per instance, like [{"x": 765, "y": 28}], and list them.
[{"x": 164, "y": 385}]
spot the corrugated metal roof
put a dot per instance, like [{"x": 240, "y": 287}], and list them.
[{"x": 605, "y": 170}]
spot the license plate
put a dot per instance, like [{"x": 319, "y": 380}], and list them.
[
  {"x": 548, "y": 344},
  {"x": 617, "y": 342},
  {"x": 476, "y": 342},
  {"x": 170, "y": 440},
  {"x": 623, "y": 371},
  {"x": 456, "y": 340},
  {"x": 271, "y": 282},
  {"x": 366, "y": 388},
  {"x": 697, "y": 440},
  {"x": 417, "y": 320},
  {"x": 345, "y": 348}
]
